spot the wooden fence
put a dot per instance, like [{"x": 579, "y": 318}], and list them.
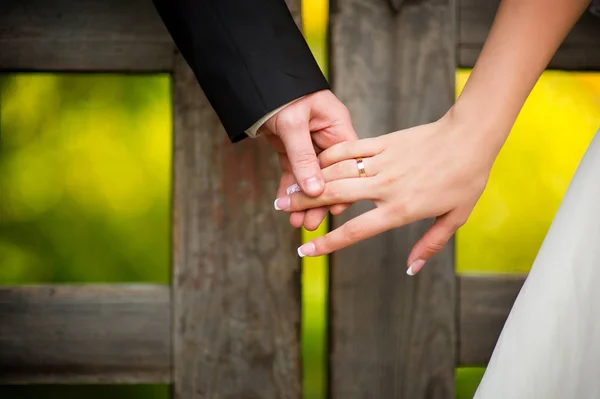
[{"x": 228, "y": 325}]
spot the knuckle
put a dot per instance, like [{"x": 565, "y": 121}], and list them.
[
  {"x": 323, "y": 157},
  {"x": 410, "y": 208},
  {"x": 344, "y": 113},
  {"x": 333, "y": 154},
  {"x": 334, "y": 194},
  {"x": 338, "y": 169},
  {"x": 304, "y": 158},
  {"x": 289, "y": 121},
  {"x": 400, "y": 208},
  {"x": 390, "y": 180},
  {"x": 435, "y": 246},
  {"x": 352, "y": 231}
]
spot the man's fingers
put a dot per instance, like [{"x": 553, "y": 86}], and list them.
[
  {"x": 360, "y": 228},
  {"x": 310, "y": 219},
  {"x": 314, "y": 218},
  {"x": 433, "y": 241},
  {"x": 351, "y": 149},
  {"x": 297, "y": 219},
  {"x": 336, "y": 192},
  {"x": 301, "y": 153},
  {"x": 338, "y": 209}
]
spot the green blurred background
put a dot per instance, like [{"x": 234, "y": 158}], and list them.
[{"x": 85, "y": 179}]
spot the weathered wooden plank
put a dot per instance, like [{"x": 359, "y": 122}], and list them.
[
  {"x": 91, "y": 35},
  {"x": 580, "y": 50},
  {"x": 392, "y": 336},
  {"x": 73, "y": 334},
  {"x": 484, "y": 304},
  {"x": 236, "y": 282}
]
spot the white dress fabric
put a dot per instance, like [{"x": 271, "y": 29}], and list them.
[{"x": 549, "y": 347}]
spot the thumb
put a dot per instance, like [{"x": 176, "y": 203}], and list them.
[
  {"x": 432, "y": 242},
  {"x": 301, "y": 153}
]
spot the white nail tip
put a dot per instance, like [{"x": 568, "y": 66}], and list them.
[
  {"x": 294, "y": 188},
  {"x": 300, "y": 254},
  {"x": 275, "y": 205},
  {"x": 409, "y": 271}
]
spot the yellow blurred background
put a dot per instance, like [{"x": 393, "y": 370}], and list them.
[
  {"x": 85, "y": 190},
  {"x": 531, "y": 174}
]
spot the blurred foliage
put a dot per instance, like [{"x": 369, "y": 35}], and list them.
[
  {"x": 84, "y": 178},
  {"x": 85, "y": 189}
]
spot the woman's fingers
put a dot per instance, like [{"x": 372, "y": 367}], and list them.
[
  {"x": 338, "y": 209},
  {"x": 336, "y": 192},
  {"x": 342, "y": 170},
  {"x": 348, "y": 169},
  {"x": 287, "y": 180},
  {"x": 351, "y": 149},
  {"x": 433, "y": 241},
  {"x": 360, "y": 228}
]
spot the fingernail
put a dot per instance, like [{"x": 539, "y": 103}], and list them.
[
  {"x": 307, "y": 249},
  {"x": 313, "y": 184},
  {"x": 415, "y": 267},
  {"x": 282, "y": 203},
  {"x": 294, "y": 188}
]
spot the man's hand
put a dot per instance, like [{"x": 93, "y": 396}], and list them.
[{"x": 298, "y": 133}]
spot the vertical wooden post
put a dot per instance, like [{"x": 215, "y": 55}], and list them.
[
  {"x": 236, "y": 280},
  {"x": 392, "y": 336}
]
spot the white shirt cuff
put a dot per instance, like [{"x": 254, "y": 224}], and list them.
[{"x": 252, "y": 131}]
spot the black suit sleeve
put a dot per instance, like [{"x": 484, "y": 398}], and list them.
[{"x": 248, "y": 56}]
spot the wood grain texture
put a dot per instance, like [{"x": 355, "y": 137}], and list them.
[
  {"x": 484, "y": 304},
  {"x": 72, "y": 334},
  {"x": 392, "y": 336},
  {"x": 236, "y": 282},
  {"x": 579, "y": 51},
  {"x": 90, "y": 35}
]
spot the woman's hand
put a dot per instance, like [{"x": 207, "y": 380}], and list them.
[
  {"x": 440, "y": 169},
  {"x": 436, "y": 170}
]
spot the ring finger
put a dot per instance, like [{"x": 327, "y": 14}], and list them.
[{"x": 350, "y": 168}]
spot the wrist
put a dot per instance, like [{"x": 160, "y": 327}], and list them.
[{"x": 485, "y": 130}]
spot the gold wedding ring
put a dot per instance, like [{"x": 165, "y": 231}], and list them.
[{"x": 361, "y": 167}]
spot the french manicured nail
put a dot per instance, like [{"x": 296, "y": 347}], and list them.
[
  {"x": 415, "y": 267},
  {"x": 294, "y": 188},
  {"x": 307, "y": 249},
  {"x": 313, "y": 184},
  {"x": 282, "y": 203}
]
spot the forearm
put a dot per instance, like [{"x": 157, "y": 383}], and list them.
[
  {"x": 524, "y": 37},
  {"x": 249, "y": 57}
]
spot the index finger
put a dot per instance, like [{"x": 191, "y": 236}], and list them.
[
  {"x": 343, "y": 191},
  {"x": 360, "y": 228}
]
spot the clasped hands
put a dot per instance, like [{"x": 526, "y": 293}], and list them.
[{"x": 437, "y": 170}]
